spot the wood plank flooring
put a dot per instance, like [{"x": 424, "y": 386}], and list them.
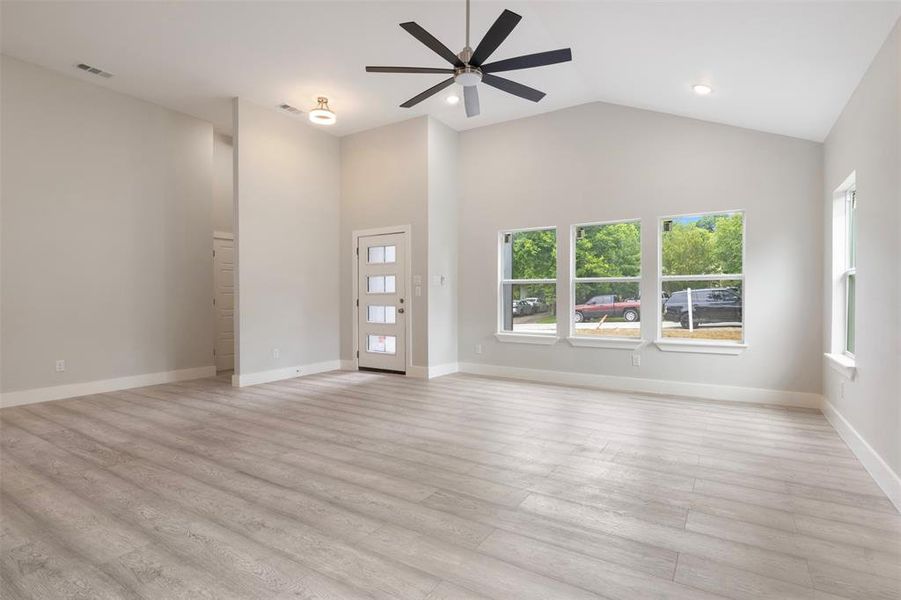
[{"x": 360, "y": 485}]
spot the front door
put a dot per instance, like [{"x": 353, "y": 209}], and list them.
[{"x": 382, "y": 311}]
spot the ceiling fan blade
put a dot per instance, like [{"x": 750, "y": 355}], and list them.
[
  {"x": 406, "y": 70},
  {"x": 495, "y": 36},
  {"x": 429, "y": 92},
  {"x": 471, "y": 100},
  {"x": 431, "y": 42},
  {"x": 511, "y": 87},
  {"x": 528, "y": 61}
]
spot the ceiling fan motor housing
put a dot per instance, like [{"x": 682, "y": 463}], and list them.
[{"x": 467, "y": 76}]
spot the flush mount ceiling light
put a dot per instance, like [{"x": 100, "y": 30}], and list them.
[
  {"x": 453, "y": 99},
  {"x": 701, "y": 89},
  {"x": 321, "y": 115}
]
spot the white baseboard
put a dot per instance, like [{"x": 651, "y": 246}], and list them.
[
  {"x": 650, "y": 386},
  {"x": 883, "y": 474},
  {"x": 71, "y": 390},
  {"x": 348, "y": 365},
  {"x": 445, "y": 369},
  {"x": 245, "y": 379}
]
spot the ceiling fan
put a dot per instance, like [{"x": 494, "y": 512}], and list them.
[{"x": 469, "y": 66}]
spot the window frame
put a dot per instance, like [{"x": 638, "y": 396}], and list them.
[
  {"x": 513, "y": 336},
  {"x": 602, "y": 341},
  {"x": 843, "y": 266},
  {"x": 698, "y": 345}
]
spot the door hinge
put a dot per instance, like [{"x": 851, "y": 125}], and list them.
[
  {"x": 214, "y": 302},
  {"x": 358, "y": 302},
  {"x": 214, "y": 253},
  {"x": 358, "y": 354},
  {"x": 358, "y": 250},
  {"x": 214, "y": 352}
]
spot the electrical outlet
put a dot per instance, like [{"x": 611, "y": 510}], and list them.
[
  {"x": 276, "y": 353},
  {"x": 60, "y": 366},
  {"x": 478, "y": 348},
  {"x": 636, "y": 360}
]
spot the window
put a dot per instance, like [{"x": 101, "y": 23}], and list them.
[
  {"x": 701, "y": 277},
  {"x": 528, "y": 282},
  {"x": 606, "y": 280},
  {"x": 849, "y": 272}
]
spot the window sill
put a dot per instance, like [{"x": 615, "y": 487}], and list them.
[
  {"x": 605, "y": 342},
  {"x": 526, "y": 338},
  {"x": 845, "y": 365},
  {"x": 700, "y": 347}
]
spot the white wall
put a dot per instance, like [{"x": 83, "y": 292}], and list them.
[
  {"x": 223, "y": 183},
  {"x": 287, "y": 245},
  {"x": 600, "y": 162},
  {"x": 443, "y": 216},
  {"x": 866, "y": 140},
  {"x": 384, "y": 183},
  {"x": 106, "y": 233}
]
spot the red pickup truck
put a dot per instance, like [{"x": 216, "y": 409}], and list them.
[{"x": 608, "y": 305}]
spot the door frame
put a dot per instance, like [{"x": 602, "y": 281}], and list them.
[{"x": 408, "y": 277}]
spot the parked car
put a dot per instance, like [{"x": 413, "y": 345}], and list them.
[
  {"x": 538, "y": 305},
  {"x": 608, "y": 305},
  {"x": 522, "y": 308},
  {"x": 709, "y": 305}
]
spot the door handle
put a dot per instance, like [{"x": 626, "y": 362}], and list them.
[{"x": 400, "y": 310}]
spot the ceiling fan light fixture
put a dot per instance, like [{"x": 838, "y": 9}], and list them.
[
  {"x": 470, "y": 68},
  {"x": 467, "y": 75},
  {"x": 322, "y": 115}
]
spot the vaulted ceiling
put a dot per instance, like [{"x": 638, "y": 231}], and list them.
[{"x": 787, "y": 67}]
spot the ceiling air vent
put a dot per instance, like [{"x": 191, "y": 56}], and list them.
[
  {"x": 291, "y": 109},
  {"x": 94, "y": 70}
]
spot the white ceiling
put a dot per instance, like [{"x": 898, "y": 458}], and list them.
[{"x": 785, "y": 67}]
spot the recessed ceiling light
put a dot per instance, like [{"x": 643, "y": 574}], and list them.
[
  {"x": 701, "y": 89},
  {"x": 321, "y": 115},
  {"x": 453, "y": 99}
]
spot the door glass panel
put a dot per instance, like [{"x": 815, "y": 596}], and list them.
[
  {"x": 376, "y": 254},
  {"x": 381, "y": 344},
  {"x": 382, "y": 254},
  {"x": 380, "y": 284},
  {"x": 381, "y": 314}
]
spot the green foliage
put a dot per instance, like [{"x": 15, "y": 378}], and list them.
[
  {"x": 535, "y": 254},
  {"x": 622, "y": 290},
  {"x": 609, "y": 251},
  {"x": 728, "y": 243},
  {"x": 711, "y": 244}
]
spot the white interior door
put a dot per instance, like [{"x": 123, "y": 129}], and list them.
[
  {"x": 224, "y": 302},
  {"x": 382, "y": 310}
]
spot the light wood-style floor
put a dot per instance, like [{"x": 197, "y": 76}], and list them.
[{"x": 359, "y": 485}]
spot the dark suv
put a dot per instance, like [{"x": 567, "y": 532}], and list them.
[{"x": 710, "y": 305}]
